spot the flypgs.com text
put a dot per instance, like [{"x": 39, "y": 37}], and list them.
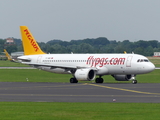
[
  {"x": 104, "y": 61},
  {"x": 29, "y": 36}
]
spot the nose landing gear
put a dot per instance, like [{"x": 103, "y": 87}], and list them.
[{"x": 134, "y": 81}]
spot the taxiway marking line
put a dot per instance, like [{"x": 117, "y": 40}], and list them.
[{"x": 134, "y": 91}]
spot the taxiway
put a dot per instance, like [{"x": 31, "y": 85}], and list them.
[{"x": 81, "y": 92}]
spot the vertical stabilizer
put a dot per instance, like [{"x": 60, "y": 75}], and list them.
[
  {"x": 7, "y": 55},
  {"x": 30, "y": 45}
]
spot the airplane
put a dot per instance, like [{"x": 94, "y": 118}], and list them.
[
  {"x": 10, "y": 57},
  {"x": 84, "y": 67}
]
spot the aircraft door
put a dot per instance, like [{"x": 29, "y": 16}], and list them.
[
  {"x": 128, "y": 63},
  {"x": 39, "y": 59}
]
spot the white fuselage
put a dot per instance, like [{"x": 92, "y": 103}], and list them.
[{"x": 103, "y": 64}]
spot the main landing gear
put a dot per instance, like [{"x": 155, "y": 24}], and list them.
[
  {"x": 73, "y": 80},
  {"x": 99, "y": 80}
]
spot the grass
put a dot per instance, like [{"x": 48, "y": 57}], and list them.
[
  {"x": 152, "y": 77},
  {"x": 8, "y": 63},
  {"x": 78, "y": 111},
  {"x": 32, "y": 75},
  {"x": 35, "y": 75}
]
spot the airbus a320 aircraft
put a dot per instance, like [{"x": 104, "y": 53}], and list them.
[
  {"x": 8, "y": 56},
  {"x": 123, "y": 67}
]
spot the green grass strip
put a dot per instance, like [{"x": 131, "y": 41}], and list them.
[
  {"x": 11, "y": 64},
  {"x": 35, "y": 75},
  {"x": 78, "y": 111}
]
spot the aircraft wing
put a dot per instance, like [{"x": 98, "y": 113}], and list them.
[{"x": 157, "y": 68}]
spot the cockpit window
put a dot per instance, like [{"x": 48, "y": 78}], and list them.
[
  {"x": 145, "y": 60},
  {"x": 142, "y": 60}
]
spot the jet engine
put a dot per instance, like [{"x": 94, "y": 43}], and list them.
[
  {"x": 85, "y": 74},
  {"x": 122, "y": 77}
]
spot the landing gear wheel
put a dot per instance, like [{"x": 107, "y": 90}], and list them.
[
  {"x": 134, "y": 81},
  {"x": 99, "y": 80},
  {"x": 73, "y": 80}
]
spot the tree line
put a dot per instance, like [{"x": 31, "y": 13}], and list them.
[{"x": 90, "y": 45}]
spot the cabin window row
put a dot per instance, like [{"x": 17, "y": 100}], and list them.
[{"x": 64, "y": 60}]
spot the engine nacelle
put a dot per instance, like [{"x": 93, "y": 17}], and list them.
[
  {"x": 122, "y": 77},
  {"x": 85, "y": 74}
]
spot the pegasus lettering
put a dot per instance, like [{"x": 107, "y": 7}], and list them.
[{"x": 29, "y": 36}]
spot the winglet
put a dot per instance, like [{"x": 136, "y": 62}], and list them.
[{"x": 30, "y": 45}]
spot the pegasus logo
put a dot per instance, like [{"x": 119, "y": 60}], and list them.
[{"x": 33, "y": 43}]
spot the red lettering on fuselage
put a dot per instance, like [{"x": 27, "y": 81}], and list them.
[
  {"x": 104, "y": 61},
  {"x": 29, "y": 36}
]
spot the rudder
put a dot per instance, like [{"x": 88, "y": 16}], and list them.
[{"x": 30, "y": 45}]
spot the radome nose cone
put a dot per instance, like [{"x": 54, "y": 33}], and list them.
[{"x": 151, "y": 67}]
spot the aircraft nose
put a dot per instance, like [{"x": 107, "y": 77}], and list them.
[{"x": 151, "y": 67}]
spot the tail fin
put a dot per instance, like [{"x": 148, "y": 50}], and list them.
[
  {"x": 7, "y": 54},
  {"x": 30, "y": 45}
]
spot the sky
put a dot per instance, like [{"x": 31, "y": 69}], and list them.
[{"x": 80, "y": 19}]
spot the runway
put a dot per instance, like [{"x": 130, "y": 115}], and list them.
[{"x": 81, "y": 92}]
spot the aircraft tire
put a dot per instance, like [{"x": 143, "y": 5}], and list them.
[
  {"x": 99, "y": 80},
  {"x": 134, "y": 81},
  {"x": 73, "y": 80}
]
